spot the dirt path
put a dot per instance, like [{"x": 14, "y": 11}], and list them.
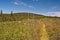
[{"x": 44, "y": 33}]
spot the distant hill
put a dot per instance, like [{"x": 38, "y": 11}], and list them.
[{"x": 22, "y": 16}]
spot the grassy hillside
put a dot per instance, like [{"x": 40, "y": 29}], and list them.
[
  {"x": 30, "y": 26},
  {"x": 18, "y": 16}
]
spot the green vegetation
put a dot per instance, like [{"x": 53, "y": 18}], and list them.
[
  {"x": 24, "y": 26},
  {"x": 20, "y": 16}
]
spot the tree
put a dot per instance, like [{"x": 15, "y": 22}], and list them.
[
  {"x": 1, "y": 12},
  {"x": 11, "y": 13}
]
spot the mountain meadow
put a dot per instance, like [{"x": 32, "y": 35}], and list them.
[{"x": 29, "y": 26}]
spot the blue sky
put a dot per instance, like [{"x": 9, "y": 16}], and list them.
[{"x": 45, "y": 7}]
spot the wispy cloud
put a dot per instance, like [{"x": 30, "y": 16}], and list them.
[
  {"x": 19, "y": 3},
  {"x": 30, "y": 6},
  {"x": 25, "y": 4},
  {"x": 22, "y": 3},
  {"x": 35, "y": 0},
  {"x": 16, "y": 3},
  {"x": 54, "y": 14},
  {"x": 54, "y": 7}
]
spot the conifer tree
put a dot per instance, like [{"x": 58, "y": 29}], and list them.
[
  {"x": 1, "y": 12},
  {"x": 11, "y": 13}
]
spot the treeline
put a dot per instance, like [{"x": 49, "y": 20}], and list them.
[
  {"x": 1, "y": 12},
  {"x": 6, "y": 17}
]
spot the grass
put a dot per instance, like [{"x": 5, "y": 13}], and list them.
[{"x": 19, "y": 27}]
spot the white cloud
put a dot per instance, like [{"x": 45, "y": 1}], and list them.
[
  {"x": 30, "y": 6},
  {"x": 16, "y": 3},
  {"x": 25, "y": 4},
  {"x": 22, "y": 3},
  {"x": 35, "y": 0},
  {"x": 54, "y": 7},
  {"x": 54, "y": 14},
  {"x": 19, "y": 3}
]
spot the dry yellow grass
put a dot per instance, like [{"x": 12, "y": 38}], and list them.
[
  {"x": 30, "y": 30},
  {"x": 44, "y": 33}
]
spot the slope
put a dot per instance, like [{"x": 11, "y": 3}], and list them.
[{"x": 24, "y": 28}]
